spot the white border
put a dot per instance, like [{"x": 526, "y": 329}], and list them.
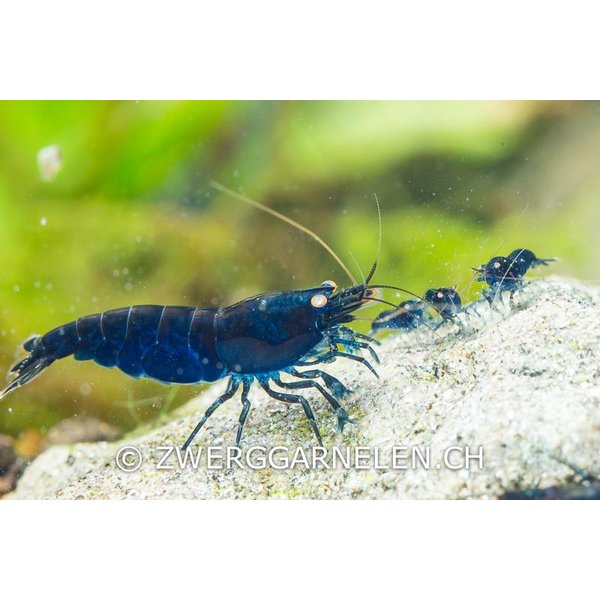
[
  {"x": 299, "y": 50},
  {"x": 292, "y": 549}
]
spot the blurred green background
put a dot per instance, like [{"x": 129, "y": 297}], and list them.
[{"x": 130, "y": 219}]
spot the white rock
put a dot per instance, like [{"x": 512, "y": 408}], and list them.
[{"x": 524, "y": 385}]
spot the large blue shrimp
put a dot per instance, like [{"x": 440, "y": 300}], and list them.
[{"x": 254, "y": 340}]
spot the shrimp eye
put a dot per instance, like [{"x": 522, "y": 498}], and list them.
[
  {"x": 319, "y": 300},
  {"x": 329, "y": 283}
]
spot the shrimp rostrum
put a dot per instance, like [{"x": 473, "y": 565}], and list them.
[{"x": 255, "y": 340}]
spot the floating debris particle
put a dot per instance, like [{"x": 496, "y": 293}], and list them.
[{"x": 49, "y": 161}]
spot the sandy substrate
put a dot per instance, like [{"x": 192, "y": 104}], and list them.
[{"x": 524, "y": 385}]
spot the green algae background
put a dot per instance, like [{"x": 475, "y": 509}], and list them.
[{"x": 130, "y": 218}]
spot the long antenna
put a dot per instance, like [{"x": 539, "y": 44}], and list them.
[
  {"x": 374, "y": 267},
  {"x": 399, "y": 289},
  {"x": 362, "y": 274},
  {"x": 221, "y": 188}
]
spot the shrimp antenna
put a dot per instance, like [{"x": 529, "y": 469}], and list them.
[
  {"x": 221, "y": 188},
  {"x": 374, "y": 267},
  {"x": 358, "y": 267},
  {"x": 399, "y": 289},
  {"x": 381, "y": 301}
]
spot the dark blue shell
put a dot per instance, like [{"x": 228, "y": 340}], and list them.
[
  {"x": 186, "y": 344},
  {"x": 174, "y": 344},
  {"x": 525, "y": 259},
  {"x": 267, "y": 333},
  {"x": 446, "y": 301},
  {"x": 408, "y": 316},
  {"x": 506, "y": 273},
  {"x": 499, "y": 270}
]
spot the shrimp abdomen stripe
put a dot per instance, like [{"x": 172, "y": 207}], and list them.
[
  {"x": 142, "y": 328},
  {"x": 171, "y": 358},
  {"x": 202, "y": 337},
  {"x": 114, "y": 329},
  {"x": 89, "y": 332}
]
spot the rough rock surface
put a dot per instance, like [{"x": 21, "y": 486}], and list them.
[{"x": 524, "y": 384}]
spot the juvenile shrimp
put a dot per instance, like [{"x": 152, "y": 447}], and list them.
[
  {"x": 446, "y": 301},
  {"x": 506, "y": 273},
  {"x": 409, "y": 315}
]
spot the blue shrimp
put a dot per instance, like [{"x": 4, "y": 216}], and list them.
[
  {"x": 505, "y": 273},
  {"x": 409, "y": 315},
  {"x": 254, "y": 340}
]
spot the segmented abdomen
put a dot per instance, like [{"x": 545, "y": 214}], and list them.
[{"x": 174, "y": 344}]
